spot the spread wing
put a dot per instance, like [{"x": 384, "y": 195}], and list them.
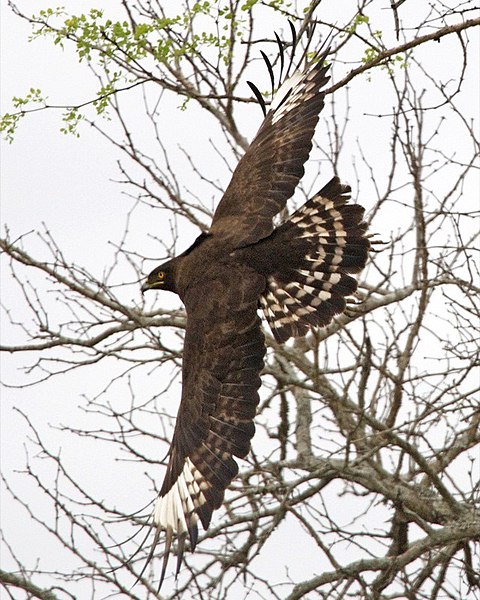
[
  {"x": 223, "y": 356},
  {"x": 268, "y": 173}
]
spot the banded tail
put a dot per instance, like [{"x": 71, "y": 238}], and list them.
[{"x": 327, "y": 241}]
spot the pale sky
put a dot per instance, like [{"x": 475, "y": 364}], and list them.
[{"x": 68, "y": 183}]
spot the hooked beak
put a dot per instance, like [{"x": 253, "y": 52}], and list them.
[
  {"x": 146, "y": 286},
  {"x": 151, "y": 286}
]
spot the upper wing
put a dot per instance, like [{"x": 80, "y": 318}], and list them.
[
  {"x": 223, "y": 356},
  {"x": 266, "y": 176}
]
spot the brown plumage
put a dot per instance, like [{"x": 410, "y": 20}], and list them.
[{"x": 298, "y": 273}]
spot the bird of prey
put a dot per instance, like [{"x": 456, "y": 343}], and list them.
[{"x": 299, "y": 273}]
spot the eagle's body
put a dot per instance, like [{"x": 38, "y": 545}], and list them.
[{"x": 298, "y": 273}]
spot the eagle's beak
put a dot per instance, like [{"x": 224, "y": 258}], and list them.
[{"x": 151, "y": 286}]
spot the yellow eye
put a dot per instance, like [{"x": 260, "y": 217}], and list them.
[{"x": 161, "y": 275}]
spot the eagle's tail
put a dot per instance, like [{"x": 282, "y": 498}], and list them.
[{"x": 327, "y": 241}]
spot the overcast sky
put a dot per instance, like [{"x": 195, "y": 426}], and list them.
[{"x": 66, "y": 182}]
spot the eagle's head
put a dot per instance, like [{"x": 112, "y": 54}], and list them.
[{"x": 161, "y": 278}]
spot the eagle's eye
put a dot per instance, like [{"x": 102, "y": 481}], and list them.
[{"x": 161, "y": 275}]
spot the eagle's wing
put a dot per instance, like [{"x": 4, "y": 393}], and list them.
[
  {"x": 223, "y": 356},
  {"x": 268, "y": 173}
]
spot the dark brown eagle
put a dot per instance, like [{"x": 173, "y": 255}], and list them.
[{"x": 299, "y": 273}]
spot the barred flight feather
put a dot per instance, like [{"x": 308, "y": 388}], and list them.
[
  {"x": 178, "y": 511},
  {"x": 312, "y": 291}
]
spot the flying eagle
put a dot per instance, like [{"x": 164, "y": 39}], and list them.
[{"x": 298, "y": 273}]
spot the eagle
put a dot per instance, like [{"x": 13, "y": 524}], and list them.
[{"x": 299, "y": 273}]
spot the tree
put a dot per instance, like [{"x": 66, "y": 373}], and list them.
[{"x": 363, "y": 478}]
